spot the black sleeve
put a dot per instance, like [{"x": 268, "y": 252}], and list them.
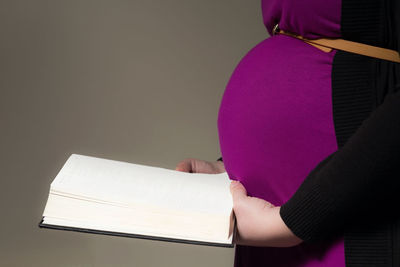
[{"x": 358, "y": 179}]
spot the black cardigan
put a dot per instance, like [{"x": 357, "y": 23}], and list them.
[{"x": 354, "y": 191}]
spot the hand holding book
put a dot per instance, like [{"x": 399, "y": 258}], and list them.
[
  {"x": 259, "y": 222},
  {"x": 117, "y": 198}
]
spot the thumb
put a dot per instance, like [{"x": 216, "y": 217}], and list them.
[{"x": 237, "y": 190}]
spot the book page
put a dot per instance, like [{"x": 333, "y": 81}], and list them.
[
  {"x": 86, "y": 214},
  {"x": 132, "y": 184}
]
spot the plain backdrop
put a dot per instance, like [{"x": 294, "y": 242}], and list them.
[{"x": 138, "y": 81}]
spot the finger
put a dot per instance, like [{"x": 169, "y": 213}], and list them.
[
  {"x": 237, "y": 190},
  {"x": 184, "y": 166}
]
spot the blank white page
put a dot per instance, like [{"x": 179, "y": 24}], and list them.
[{"x": 132, "y": 184}]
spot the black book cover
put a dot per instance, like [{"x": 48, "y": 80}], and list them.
[{"x": 175, "y": 240}]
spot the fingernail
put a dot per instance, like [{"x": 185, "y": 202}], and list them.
[{"x": 234, "y": 182}]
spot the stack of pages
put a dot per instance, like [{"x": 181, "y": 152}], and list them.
[{"x": 117, "y": 198}]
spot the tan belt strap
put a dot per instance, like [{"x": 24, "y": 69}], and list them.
[{"x": 326, "y": 45}]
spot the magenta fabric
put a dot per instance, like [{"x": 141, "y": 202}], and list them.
[
  {"x": 275, "y": 121},
  {"x": 308, "y": 18}
]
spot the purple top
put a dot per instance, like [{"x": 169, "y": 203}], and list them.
[{"x": 275, "y": 120}]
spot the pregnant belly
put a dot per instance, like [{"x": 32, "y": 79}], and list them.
[
  {"x": 275, "y": 120},
  {"x": 275, "y": 125}
]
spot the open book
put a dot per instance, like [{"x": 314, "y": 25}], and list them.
[{"x": 117, "y": 198}]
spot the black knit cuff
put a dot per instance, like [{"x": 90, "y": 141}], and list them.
[{"x": 307, "y": 214}]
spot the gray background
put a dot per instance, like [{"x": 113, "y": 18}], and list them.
[{"x": 138, "y": 81}]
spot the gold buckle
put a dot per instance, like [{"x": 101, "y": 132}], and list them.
[{"x": 276, "y": 29}]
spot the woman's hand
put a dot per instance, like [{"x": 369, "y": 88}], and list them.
[
  {"x": 200, "y": 166},
  {"x": 259, "y": 222}
]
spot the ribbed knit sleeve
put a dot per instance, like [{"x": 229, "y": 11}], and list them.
[{"x": 364, "y": 174}]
